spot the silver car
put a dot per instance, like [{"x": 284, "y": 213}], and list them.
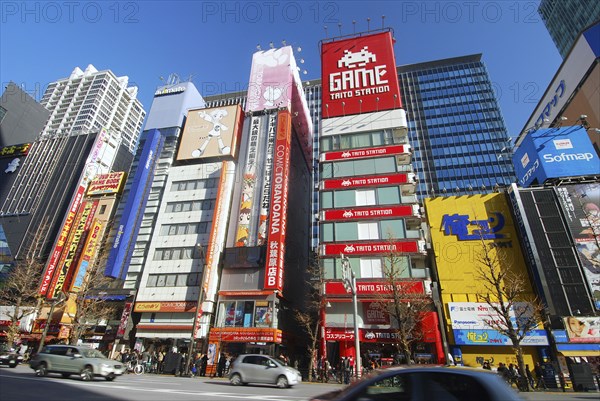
[
  {"x": 75, "y": 360},
  {"x": 257, "y": 368},
  {"x": 425, "y": 383}
]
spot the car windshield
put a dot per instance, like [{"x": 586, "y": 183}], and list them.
[
  {"x": 92, "y": 353},
  {"x": 278, "y": 361}
]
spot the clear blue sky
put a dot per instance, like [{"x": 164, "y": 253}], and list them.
[{"x": 213, "y": 41}]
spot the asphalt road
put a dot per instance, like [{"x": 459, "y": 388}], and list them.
[{"x": 21, "y": 384}]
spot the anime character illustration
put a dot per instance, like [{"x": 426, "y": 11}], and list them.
[
  {"x": 12, "y": 166},
  {"x": 272, "y": 93},
  {"x": 243, "y": 227},
  {"x": 214, "y": 118}
]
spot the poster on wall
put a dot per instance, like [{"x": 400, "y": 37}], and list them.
[
  {"x": 581, "y": 207},
  {"x": 582, "y": 329},
  {"x": 263, "y": 316}
]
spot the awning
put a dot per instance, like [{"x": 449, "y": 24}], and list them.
[{"x": 580, "y": 353}]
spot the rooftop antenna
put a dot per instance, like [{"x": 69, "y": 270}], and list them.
[
  {"x": 368, "y": 24},
  {"x": 340, "y": 28},
  {"x": 325, "y": 27},
  {"x": 354, "y": 26},
  {"x": 382, "y": 21}
]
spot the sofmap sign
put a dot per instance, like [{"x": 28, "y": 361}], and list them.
[
  {"x": 555, "y": 153},
  {"x": 359, "y": 76}
]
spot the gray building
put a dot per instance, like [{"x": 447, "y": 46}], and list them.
[
  {"x": 22, "y": 119},
  {"x": 564, "y": 19}
]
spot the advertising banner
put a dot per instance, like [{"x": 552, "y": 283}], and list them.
[
  {"x": 582, "y": 329},
  {"x": 351, "y": 154},
  {"x": 351, "y": 182},
  {"x": 104, "y": 184},
  {"x": 365, "y": 335},
  {"x": 124, "y": 319},
  {"x": 373, "y": 288},
  {"x": 249, "y": 334},
  {"x": 265, "y": 201},
  {"x": 89, "y": 253},
  {"x": 15, "y": 150},
  {"x": 279, "y": 202},
  {"x": 210, "y": 132},
  {"x": 271, "y": 80},
  {"x": 555, "y": 153},
  {"x": 374, "y": 314},
  {"x": 183, "y": 306},
  {"x": 367, "y": 213},
  {"x": 581, "y": 207},
  {"x": 470, "y": 327},
  {"x": 370, "y": 248},
  {"x": 359, "y": 75}
]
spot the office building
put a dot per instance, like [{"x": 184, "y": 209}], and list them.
[
  {"x": 90, "y": 100},
  {"x": 565, "y": 19},
  {"x": 21, "y": 117}
]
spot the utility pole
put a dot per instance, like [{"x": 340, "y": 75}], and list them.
[{"x": 349, "y": 280}]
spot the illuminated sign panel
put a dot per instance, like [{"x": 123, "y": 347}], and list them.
[
  {"x": 359, "y": 182},
  {"x": 210, "y": 133},
  {"x": 367, "y": 213},
  {"x": 350, "y": 154},
  {"x": 104, "y": 184},
  {"x": 369, "y": 248},
  {"x": 554, "y": 153},
  {"x": 359, "y": 76}
]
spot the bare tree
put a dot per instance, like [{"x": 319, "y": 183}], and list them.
[
  {"x": 404, "y": 301},
  {"x": 20, "y": 289},
  {"x": 88, "y": 301},
  {"x": 514, "y": 310},
  {"x": 309, "y": 317}
]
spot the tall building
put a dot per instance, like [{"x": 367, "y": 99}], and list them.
[
  {"x": 91, "y": 100},
  {"x": 460, "y": 142},
  {"x": 21, "y": 117},
  {"x": 564, "y": 19}
]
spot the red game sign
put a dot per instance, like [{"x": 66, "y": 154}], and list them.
[{"x": 359, "y": 75}]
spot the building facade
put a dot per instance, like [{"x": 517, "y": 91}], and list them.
[
  {"x": 91, "y": 100},
  {"x": 21, "y": 117},
  {"x": 460, "y": 143},
  {"x": 565, "y": 19}
]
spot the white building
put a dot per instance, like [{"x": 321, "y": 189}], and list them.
[{"x": 90, "y": 100}]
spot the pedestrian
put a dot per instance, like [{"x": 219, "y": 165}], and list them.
[
  {"x": 203, "y": 364},
  {"x": 539, "y": 374},
  {"x": 346, "y": 370},
  {"x": 529, "y": 377},
  {"x": 221, "y": 365},
  {"x": 486, "y": 365},
  {"x": 502, "y": 371}
]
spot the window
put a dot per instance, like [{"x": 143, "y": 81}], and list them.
[
  {"x": 365, "y": 197},
  {"x": 396, "y": 387},
  {"x": 371, "y": 268},
  {"x": 367, "y": 230},
  {"x": 448, "y": 386}
]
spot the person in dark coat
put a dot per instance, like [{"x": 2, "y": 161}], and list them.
[
  {"x": 203, "y": 364},
  {"x": 221, "y": 365}
]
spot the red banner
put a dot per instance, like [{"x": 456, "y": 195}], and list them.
[
  {"x": 362, "y": 153},
  {"x": 60, "y": 243},
  {"x": 249, "y": 334},
  {"x": 367, "y": 213},
  {"x": 279, "y": 203},
  {"x": 359, "y": 76},
  {"x": 359, "y": 182},
  {"x": 370, "y": 248},
  {"x": 124, "y": 319},
  {"x": 373, "y": 288}
]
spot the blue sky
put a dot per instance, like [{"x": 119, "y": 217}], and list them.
[{"x": 213, "y": 41}]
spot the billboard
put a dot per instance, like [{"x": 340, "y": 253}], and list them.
[
  {"x": 581, "y": 208},
  {"x": 470, "y": 327},
  {"x": 210, "y": 133},
  {"x": 105, "y": 184},
  {"x": 278, "y": 211},
  {"x": 582, "y": 329},
  {"x": 555, "y": 153},
  {"x": 359, "y": 75}
]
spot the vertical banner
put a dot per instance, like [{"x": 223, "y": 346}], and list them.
[
  {"x": 243, "y": 237},
  {"x": 124, "y": 319},
  {"x": 89, "y": 253},
  {"x": 279, "y": 201},
  {"x": 266, "y": 189}
]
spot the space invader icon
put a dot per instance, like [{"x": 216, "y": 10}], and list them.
[{"x": 359, "y": 59}]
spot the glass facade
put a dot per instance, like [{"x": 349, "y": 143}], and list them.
[
  {"x": 564, "y": 19},
  {"x": 461, "y": 145}
]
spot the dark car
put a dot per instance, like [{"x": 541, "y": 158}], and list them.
[
  {"x": 425, "y": 383},
  {"x": 75, "y": 360},
  {"x": 8, "y": 356}
]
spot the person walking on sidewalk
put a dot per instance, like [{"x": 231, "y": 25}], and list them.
[
  {"x": 539, "y": 374},
  {"x": 529, "y": 377}
]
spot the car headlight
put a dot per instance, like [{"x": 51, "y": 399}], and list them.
[{"x": 4, "y": 356}]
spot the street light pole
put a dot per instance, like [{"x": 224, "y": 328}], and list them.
[
  {"x": 198, "y": 313},
  {"x": 55, "y": 301},
  {"x": 350, "y": 286}
]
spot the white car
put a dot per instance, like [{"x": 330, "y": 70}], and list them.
[{"x": 257, "y": 368}]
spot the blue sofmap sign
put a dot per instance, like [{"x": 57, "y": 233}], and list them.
[{"x": 555, "y": 153}]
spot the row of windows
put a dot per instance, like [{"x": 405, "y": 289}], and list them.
[
  {"x": 173, "y": 280},
  {"x": 360, "y": 197},
  {"x": 353, "y": 141},
  {"x": 354, "y": 231},
  {"x": 177, "y": 253},
  {"x": 190, "y": 185},
  {"x": 184, "y": 228},
  {"x": 245, "y": 313},
  {"x": 188, "y": 206},
  {"x": 369, "y": 267},
  {"x": 379, "y": 165}
]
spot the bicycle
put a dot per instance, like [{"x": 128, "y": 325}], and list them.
[{"x": 136, "y": 367}]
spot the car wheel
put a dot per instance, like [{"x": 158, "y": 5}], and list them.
[
  {"x": 235, "y": 380},
  {"x": 66, "y": 375},
  {"x": 282, "y": 382},
  {"x": 87, "y": 374},
  {"x": 41, "y": 370},
  {"x": 110, "y": 377}
]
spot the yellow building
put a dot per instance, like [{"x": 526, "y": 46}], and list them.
[{"x": 462, "y": 228}]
